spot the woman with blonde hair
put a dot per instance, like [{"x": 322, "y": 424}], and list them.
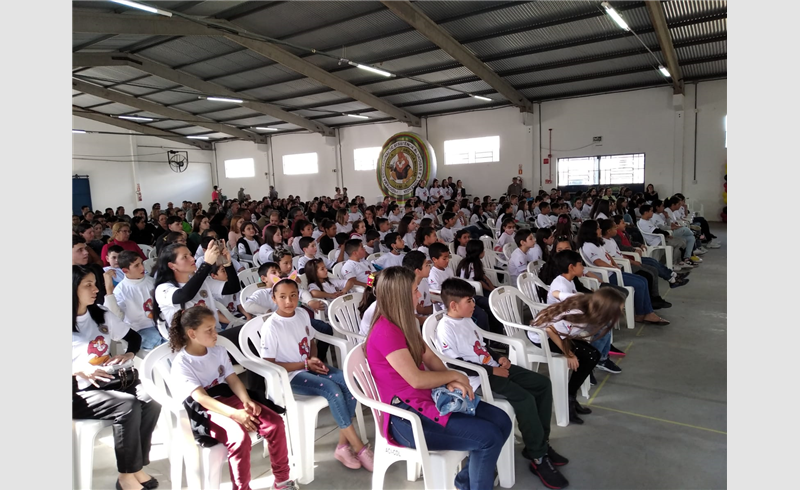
[
  {"x": 235, "y": 233},
  {"x": 120, "y": 235},
  {"x": 405, "y": 372}
]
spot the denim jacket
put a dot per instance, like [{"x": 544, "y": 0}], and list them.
[{"x": 455, "y": 401}]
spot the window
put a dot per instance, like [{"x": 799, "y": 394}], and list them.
[
  {"x": 300, "y": 163},
  {"x": 472, "y": 150},
  {"x": 602, "y": 170},
  {"x": 240, "y": 168},
  {"x": 366, "y": 158}
]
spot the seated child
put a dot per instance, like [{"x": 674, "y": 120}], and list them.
[
  {"x": 134, "y": 295},
  {"x": 371, "y": 241},
  {"x": 323, "y": 287},
  {"x": 528, "y": 392},
  {"x": 395, "y": 243},
  {"x": 310, "y": 251},
  {"x": 356, "y": 267},
  {"x": 112, "y": 257}
]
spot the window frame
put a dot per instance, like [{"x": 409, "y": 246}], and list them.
[
  {"x": 597, "y": 170},
  {"x": 473, "y": 155},
  {"x": 375, "y": 164},
  {"x": 316, "y": 163},
  {"x": 252, "y": 166}
]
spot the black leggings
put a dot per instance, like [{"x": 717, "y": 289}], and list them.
[
  {"x": 703, "y": 226},
  {"x": 587, "y": 356}
]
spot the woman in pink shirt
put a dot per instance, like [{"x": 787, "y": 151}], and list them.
[{"x": 405, "y": 372}]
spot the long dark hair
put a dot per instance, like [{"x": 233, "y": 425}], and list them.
[
  {"x": 587, "y": 233},
  {"x": 600, "y": 206},
  {"x": 598, "y": 311},
  {"x": 473, "y": 259},
  {"x": 163, "y": 273},
  {"x": 97, "y": 313},
  {"x": 311, "y": 273},
  {"x": 543, "y": 234}
]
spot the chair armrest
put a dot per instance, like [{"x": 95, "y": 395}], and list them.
[
  {"x": 516, "y": 347},
  {"x": 626, "y": 265},
  {"x": 590, "y": 283},
  {"x": 482, "y": 375},
  {"x": 633, "y": 255},
  {"x": 341, "y": 345}
]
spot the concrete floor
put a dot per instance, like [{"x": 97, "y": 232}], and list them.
[{"x": 660, "y": 424}]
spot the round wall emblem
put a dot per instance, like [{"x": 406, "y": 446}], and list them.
[{"x": 405, "y": 160}]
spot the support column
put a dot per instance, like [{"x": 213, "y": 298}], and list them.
[{"x": 678, "y": 144}]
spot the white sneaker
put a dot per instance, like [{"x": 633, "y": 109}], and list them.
[
  {"x": 713, "y": 244},
  {"x": 700, "y": 251}
]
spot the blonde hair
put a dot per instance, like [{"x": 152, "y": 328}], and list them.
[
  {"x": 119, "y": 225},
  {"x": 341, "y": 214},
  {"x": 396, "y": 304},
  {"x": 235, "y": 219},
  {"x": 598, "y": 311}
]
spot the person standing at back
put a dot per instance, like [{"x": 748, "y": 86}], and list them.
[
  {"x": 215, "y": 194},
  {"x": 273, "y": 194}
]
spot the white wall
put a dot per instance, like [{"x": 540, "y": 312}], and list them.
[
  {"x": 646, "y": 121},
  {"x": 116, "y": 163}
]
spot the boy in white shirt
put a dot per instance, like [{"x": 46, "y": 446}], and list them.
[
  {"x": 679, "y": 228},
  {"x": 134, "y": 295},
  {"x": 354, "y": 214},
  {"x": 529, "y": 393},
  {"x": 112, "y": 257},
  {"x": 383, "y": 230},
  {"x": 356, "y": 267},
  {"x": 543, "y": 218},
  {"x": 518, "y": 263},
  {"x": 310, "y": 251},
  {"x": 586, "y": 210},
  {"x": 421, "y": 265},
  {"x": 653, "y": 223},
  {"x": 394, "y": 214},
  {"x": 394, "y": 258},
  {"x": 448, "y": 233},
  {"x": 372, "y": 241}
]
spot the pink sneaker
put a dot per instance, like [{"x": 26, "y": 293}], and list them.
[
  {"x": 345, "y": 455},
  {"x": 366, "y": 457}
]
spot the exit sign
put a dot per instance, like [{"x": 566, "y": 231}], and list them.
[{"x": 546, "y": 161}]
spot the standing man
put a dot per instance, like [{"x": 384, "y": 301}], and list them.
[
  {"x": 241, "y": 195},
  {"x": 515, "y": 189},
  {"x": 273, "y": 194}
]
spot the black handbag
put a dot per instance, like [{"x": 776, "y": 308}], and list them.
[{"x": 123, "y": 379}]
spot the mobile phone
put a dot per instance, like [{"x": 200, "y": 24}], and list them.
[{"x": 220, "y": 258}]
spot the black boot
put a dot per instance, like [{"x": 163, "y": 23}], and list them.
[
  {"x": 573, "y": 401},
  {"x": 573, "y": 413}
]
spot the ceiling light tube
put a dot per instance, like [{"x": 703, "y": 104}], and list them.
[
  {"x": 224, "y": 99},
  {"x": 369, "y": 68},
  {"x": 615, "y": 15},
  {"x": 135, "y": 118},
  {"x": 140, "y": 6},
  {"x": 480, "y": 97},
  {"x": 78, "y": 131},
  {"x": 266, "y": 129},
  {"x": 357, "y": 116},
  {"x": 664, "y": 71},
  {"x": 197, "y": 137}
]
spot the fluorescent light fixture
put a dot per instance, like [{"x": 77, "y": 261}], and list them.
[
  {"x": 480, "y": 97},
  {"x": 614, "y": 15},
  {"x": 357, "y": 116},
  {"x": 664, "y": 71},
  {"x": 197, "y": 137},
  {"x": 224, "y": 99},
  {"x": 266, "y": 129},
  {"x": 135, "y": 118},
  {"x": 78, "y": 131},
  {"x": 369, "y": 68},
  {"x": 140, "y": 6}
]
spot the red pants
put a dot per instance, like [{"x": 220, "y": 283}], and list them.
[{"x": 236, "y": 439}]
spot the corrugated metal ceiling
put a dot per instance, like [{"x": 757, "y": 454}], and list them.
[{"x": 548, "y": 49}]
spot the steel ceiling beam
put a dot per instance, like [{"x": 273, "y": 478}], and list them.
[
  {"x": 659, "y": 21},
  {"x": 159, "y": 26},
  {"x": 168, "y": 112},
  {"x": 139, "y": 128},
  {"x": 208, "y": 88}
]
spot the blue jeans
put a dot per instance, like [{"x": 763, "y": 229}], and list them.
[
  {"x": 641, "y": 293},
  {"x": 151, "y": 338},
  {"x": 333, "y": 387},
  {"x": 482, "y": 435},
  {"x": 663, "y": 271},
  {"x": 603, "y": 345},
  {"x": 687, "y": 235}
]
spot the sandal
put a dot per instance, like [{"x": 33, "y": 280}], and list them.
[{"x": 660, "y": 321}]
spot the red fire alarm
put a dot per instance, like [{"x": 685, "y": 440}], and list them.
[{"x": 546, "y": 161}]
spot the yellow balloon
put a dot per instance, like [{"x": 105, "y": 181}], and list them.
[{"x": 725, "y": 197}]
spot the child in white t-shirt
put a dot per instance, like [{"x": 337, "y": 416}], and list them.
[
  {"x": 395, "y": 257},
  {"x": 543, "y": 219},
  {"x": 113, "y": 263},
  {"x": 202, "y": 375},
  {"x": 356, "y": 267},
  {"x": 529, "y": 393},
  {"x": 570, "y": 265},
  {"x": 321, "y": 286},
  {"x": 421, "y": 266},
  {"x": 310, "y": 251},
  {"x": 287, "y": 340},
  {"x": 509, "y": 228},
  {"x": 518, "y": 263},
  {"x": 462, "y": 238},
  {"x": 230, "y": 301},
  {"x": 134, "y": 296}
]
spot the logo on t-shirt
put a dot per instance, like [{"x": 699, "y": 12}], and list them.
[
  {"x": 200, "y": 303},
  {"x": 305, "y": 348},
  {"x": 480, "y": 351},
  {"x": 221, "y": 370},
  {"x": 148, "y": 308},
  {"x": 98, "y": 351},
  {"x": 203, "y": 294},
  {"x": 231, "y": 308}
]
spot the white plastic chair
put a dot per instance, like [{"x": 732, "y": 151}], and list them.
[
  {"x": 245, "y": 293},
  {"x": 336, "y": 273},
  {"x": 302, "y": 411},
  {"x": 146, "y": 250},
  {"x": 256, "y": 260},
  {"x": 249, "y": 276},
  {"x": 527, "y": 283},
  {"x": 488, "y": 242},
  {"x": 535, "y": 266},
  {"x": 333, "y": 255},
  {"x": 505, "y": 305},
  {"x": 203, "y": 465},
  {"x": 439, "y": 468},
  {"x": 508, "y": 249},
  {"x": 453, "y": 264},
  {"x": 505, "y": 463},
  {"x": 295, "y": 261},
  {"x": 667, "y": 249},
  {"x": 149, "y": 264},
  {"x": 232, "y": 320},
  {"x": 344, "y": 317},
  {"x": 373, "y": 257},
  {"x": 84, "y": 433},
  {"x": 152, "y": 254}
]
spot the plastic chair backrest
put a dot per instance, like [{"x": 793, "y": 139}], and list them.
[
  {"x": 250, "y": 339},
  {"x": 149, "y": 264},
  {"x": 364, "y": 389},
  {"x": 491, "y": 223},
  {"x": 333, "y": 255},
  {"x": 535, "y": 266},
  {"x": 373, "y": 257},
  {"x": 663, "y": 240},
  {"x": 337, "y": 270},
  {"x": 344, "y": 317},
  {"x": 247, "y": 291},
  {"x": 508, "y": 248},
  {"x": 256, "y": 260},
  {"x": 146, "y": 249},
  {"x": 453, "y": 265},
  {"x": 249, "y": 276},
  {"x": 303, "y": 281},
  {"x": 505, "y": 302},
  {"x": 295, "y": 261},
  {"x": 527, "y": 282}
]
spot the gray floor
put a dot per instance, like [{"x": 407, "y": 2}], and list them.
[{"x": 660, "y": 424}]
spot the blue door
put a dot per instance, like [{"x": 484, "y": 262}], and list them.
[{"x": 81, "y": 195}]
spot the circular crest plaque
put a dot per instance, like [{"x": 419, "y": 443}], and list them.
[{"x": 405, "y": 160}]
